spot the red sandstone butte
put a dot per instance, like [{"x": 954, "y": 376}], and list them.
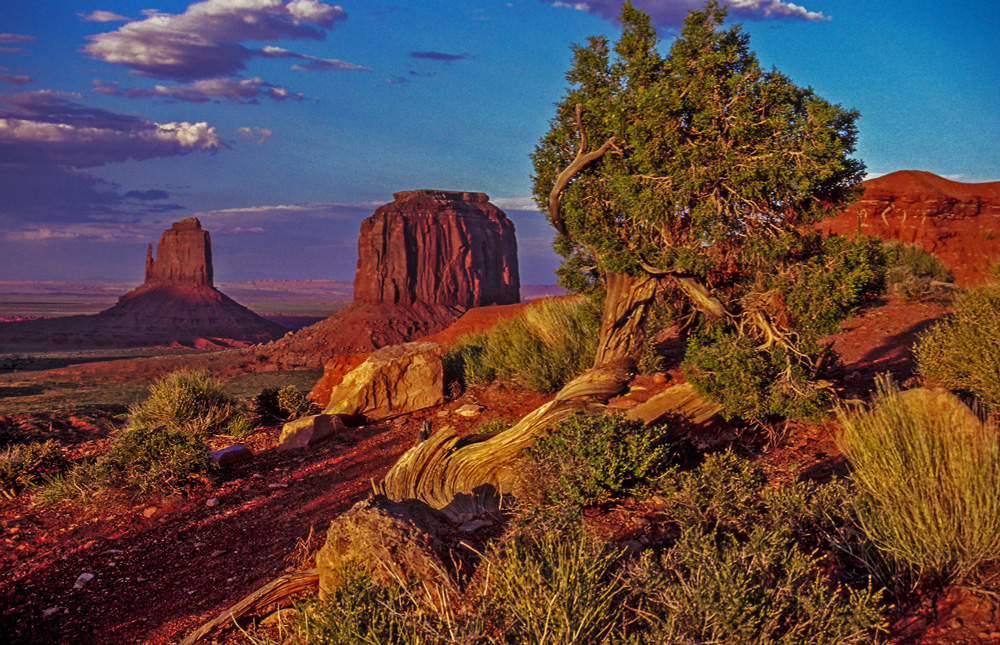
[
  {"x": 439, "y": 247},
  {"x": 957, "y": 222}
]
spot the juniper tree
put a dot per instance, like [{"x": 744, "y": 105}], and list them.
[{"x": 696, "y": 171}]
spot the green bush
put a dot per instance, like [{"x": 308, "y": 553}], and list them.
[
  {"x": 152, "y": 460},
  {"x": 192, "y": 402},
  {"x": 929, "y": 483},
  {"x": 556, "y": 588},
  {"x": 24, "y": 466},
  {"x": 542, "y": 350},
  {"x": 749, "y": 382},
  {"x": 912, "y": 270},
  {"x": 962, "y": 351},
  {"x": 282, "y": 404},
  {"x": 592, "y": 459},
  {"x": 761, "y": 589}
]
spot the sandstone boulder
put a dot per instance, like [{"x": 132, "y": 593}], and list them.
[
  {"x": 392, "y": 381},
  {"x": 308, "y": 431},
  {"x": 439, "y": 247},
  {"x": 957, "y": 222},
  {"x": 393, "y": 540},
  {"x": 680, "y": 407}
]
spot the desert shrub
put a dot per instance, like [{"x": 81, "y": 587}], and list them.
[
  {"x": 749, "y": 382},
  {"x": 912, "y": 270},
  {"x": 24, "y": 466},
  {"x": 962, "y": 351},
  {"x": 713, "y": 587},
  {"x": 151, "y": 460},
  {"x": 556, "y": 587},
  {"x": 841, "y": 276},
  {"x": 725, "y": 491},
  {"x": 281, "y": 404},
  {"x": 542, "y": 350},
  {"x": 189, "y": 401},
  {"x": 592, "y": 459},
  {"x": 492, "y": 426},
  {"x": 928, "y": 483}
]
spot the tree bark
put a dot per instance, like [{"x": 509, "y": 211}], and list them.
[{"x": 625, "y": 306}]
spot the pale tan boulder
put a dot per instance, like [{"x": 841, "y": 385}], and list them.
[
  {"x": 309, "y": 431},
  {"x": 391, "y": 381},
  {"x": 393, "y": 541}
]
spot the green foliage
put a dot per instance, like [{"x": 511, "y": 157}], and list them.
[
  {"x": 928, "y": 482},
  {"x": 720, "y": 588},
  {"x": 592, "y": 459},
  {"x": 962, "y": 351},
  {"x": 540, "y": 351},
  {"x": 557, "y": 588},
  {"x": 142, "y": 461},
  {"x": 282, "y": 404},
  {"x": 190, "y": 402},
  {"x": 912, "y": 270},
  {"x": 708, "y": 149},
  {"x": 749, "y": 382},
  {"x": 839, "y": 277},
  {"x": 743, "y": 569},
  {"x": 25, "y": 466}
]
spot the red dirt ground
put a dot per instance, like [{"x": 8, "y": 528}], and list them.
[{"x": 163, "y": 567}]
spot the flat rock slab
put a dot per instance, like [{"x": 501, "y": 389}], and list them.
[
  {"x": 680, "y": 406},
  {"x": 309, "y": 431},
  {"x": 392, "y": 381}
]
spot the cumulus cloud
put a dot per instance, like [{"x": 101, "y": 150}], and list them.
[
  {"x": 205, "y": 41},
  {"x": 103, "y": 16},
  {"x": 433, "y": 55},
  {"x": 671, "y": 13},
  {"x": 261, "y": 134},
  {"x": 46, "y": 127},
  {"x": 247, "y": 90}
]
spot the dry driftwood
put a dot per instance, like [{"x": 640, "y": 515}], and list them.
[
  {"x": 274, "y": 591},
  {"x": 470, "y": 474}
]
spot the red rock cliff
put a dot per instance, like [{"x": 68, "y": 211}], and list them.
[
  {"x": 439, "y": 247},
  {"x": 957, "y": 222},
  {"x": 183, "y": 256}
]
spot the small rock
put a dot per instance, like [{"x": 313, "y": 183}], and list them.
[
  {"x": 12, "y": 521},
  {"x": 631, "y": 547},
  {"x": 443, "y": 413},
  {"x": 641, "y": 521},
  {"x": 82, "y": 580},
  {"x": 469, "y": 410},
  {"x": 199, "y": 545},
  {"x": 214, "y": 501},
  {"x": 278, "y": 485},
  {"x": 659, "y": 378},
  {"x": 231, "y": 454},
  {"x": 659, "y": 503},
  {"x": 50, "y": 611},
  {"x": 218, "y": 552}
]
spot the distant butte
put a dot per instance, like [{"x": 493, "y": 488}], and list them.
[
  {"x": 958, "y": 222},
  {"x": 177, "y": 305}
]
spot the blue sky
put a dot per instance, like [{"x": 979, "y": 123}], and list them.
[{"x": 281, "y": 124}]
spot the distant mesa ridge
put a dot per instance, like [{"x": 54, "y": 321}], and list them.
[{"x": 958, "y": 222}]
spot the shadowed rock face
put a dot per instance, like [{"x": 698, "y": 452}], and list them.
[
  {"x": 438, "y": 247},
  {"x": 958, "y": 222}
]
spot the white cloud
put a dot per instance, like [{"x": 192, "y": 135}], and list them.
[
  {"x": 261, "y": 134},
  {"x": 205, "y": 40},
  {"x": 515, "y": 203},
  {"x": 103, "y": 16},
  {"x": 48, "y": 127},
  {"x": 247, "y": 90},
  {"x": 671, "y": 13}
]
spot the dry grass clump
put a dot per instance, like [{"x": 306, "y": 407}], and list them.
[
  {"x": 962, "y": 351},
  {"x": 192, "y": 402},
  {"x": 542, "y": 350},
  {"x": 929, "y": 483}
]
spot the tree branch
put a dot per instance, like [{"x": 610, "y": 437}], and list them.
[{"x": 582, "y": 159}]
